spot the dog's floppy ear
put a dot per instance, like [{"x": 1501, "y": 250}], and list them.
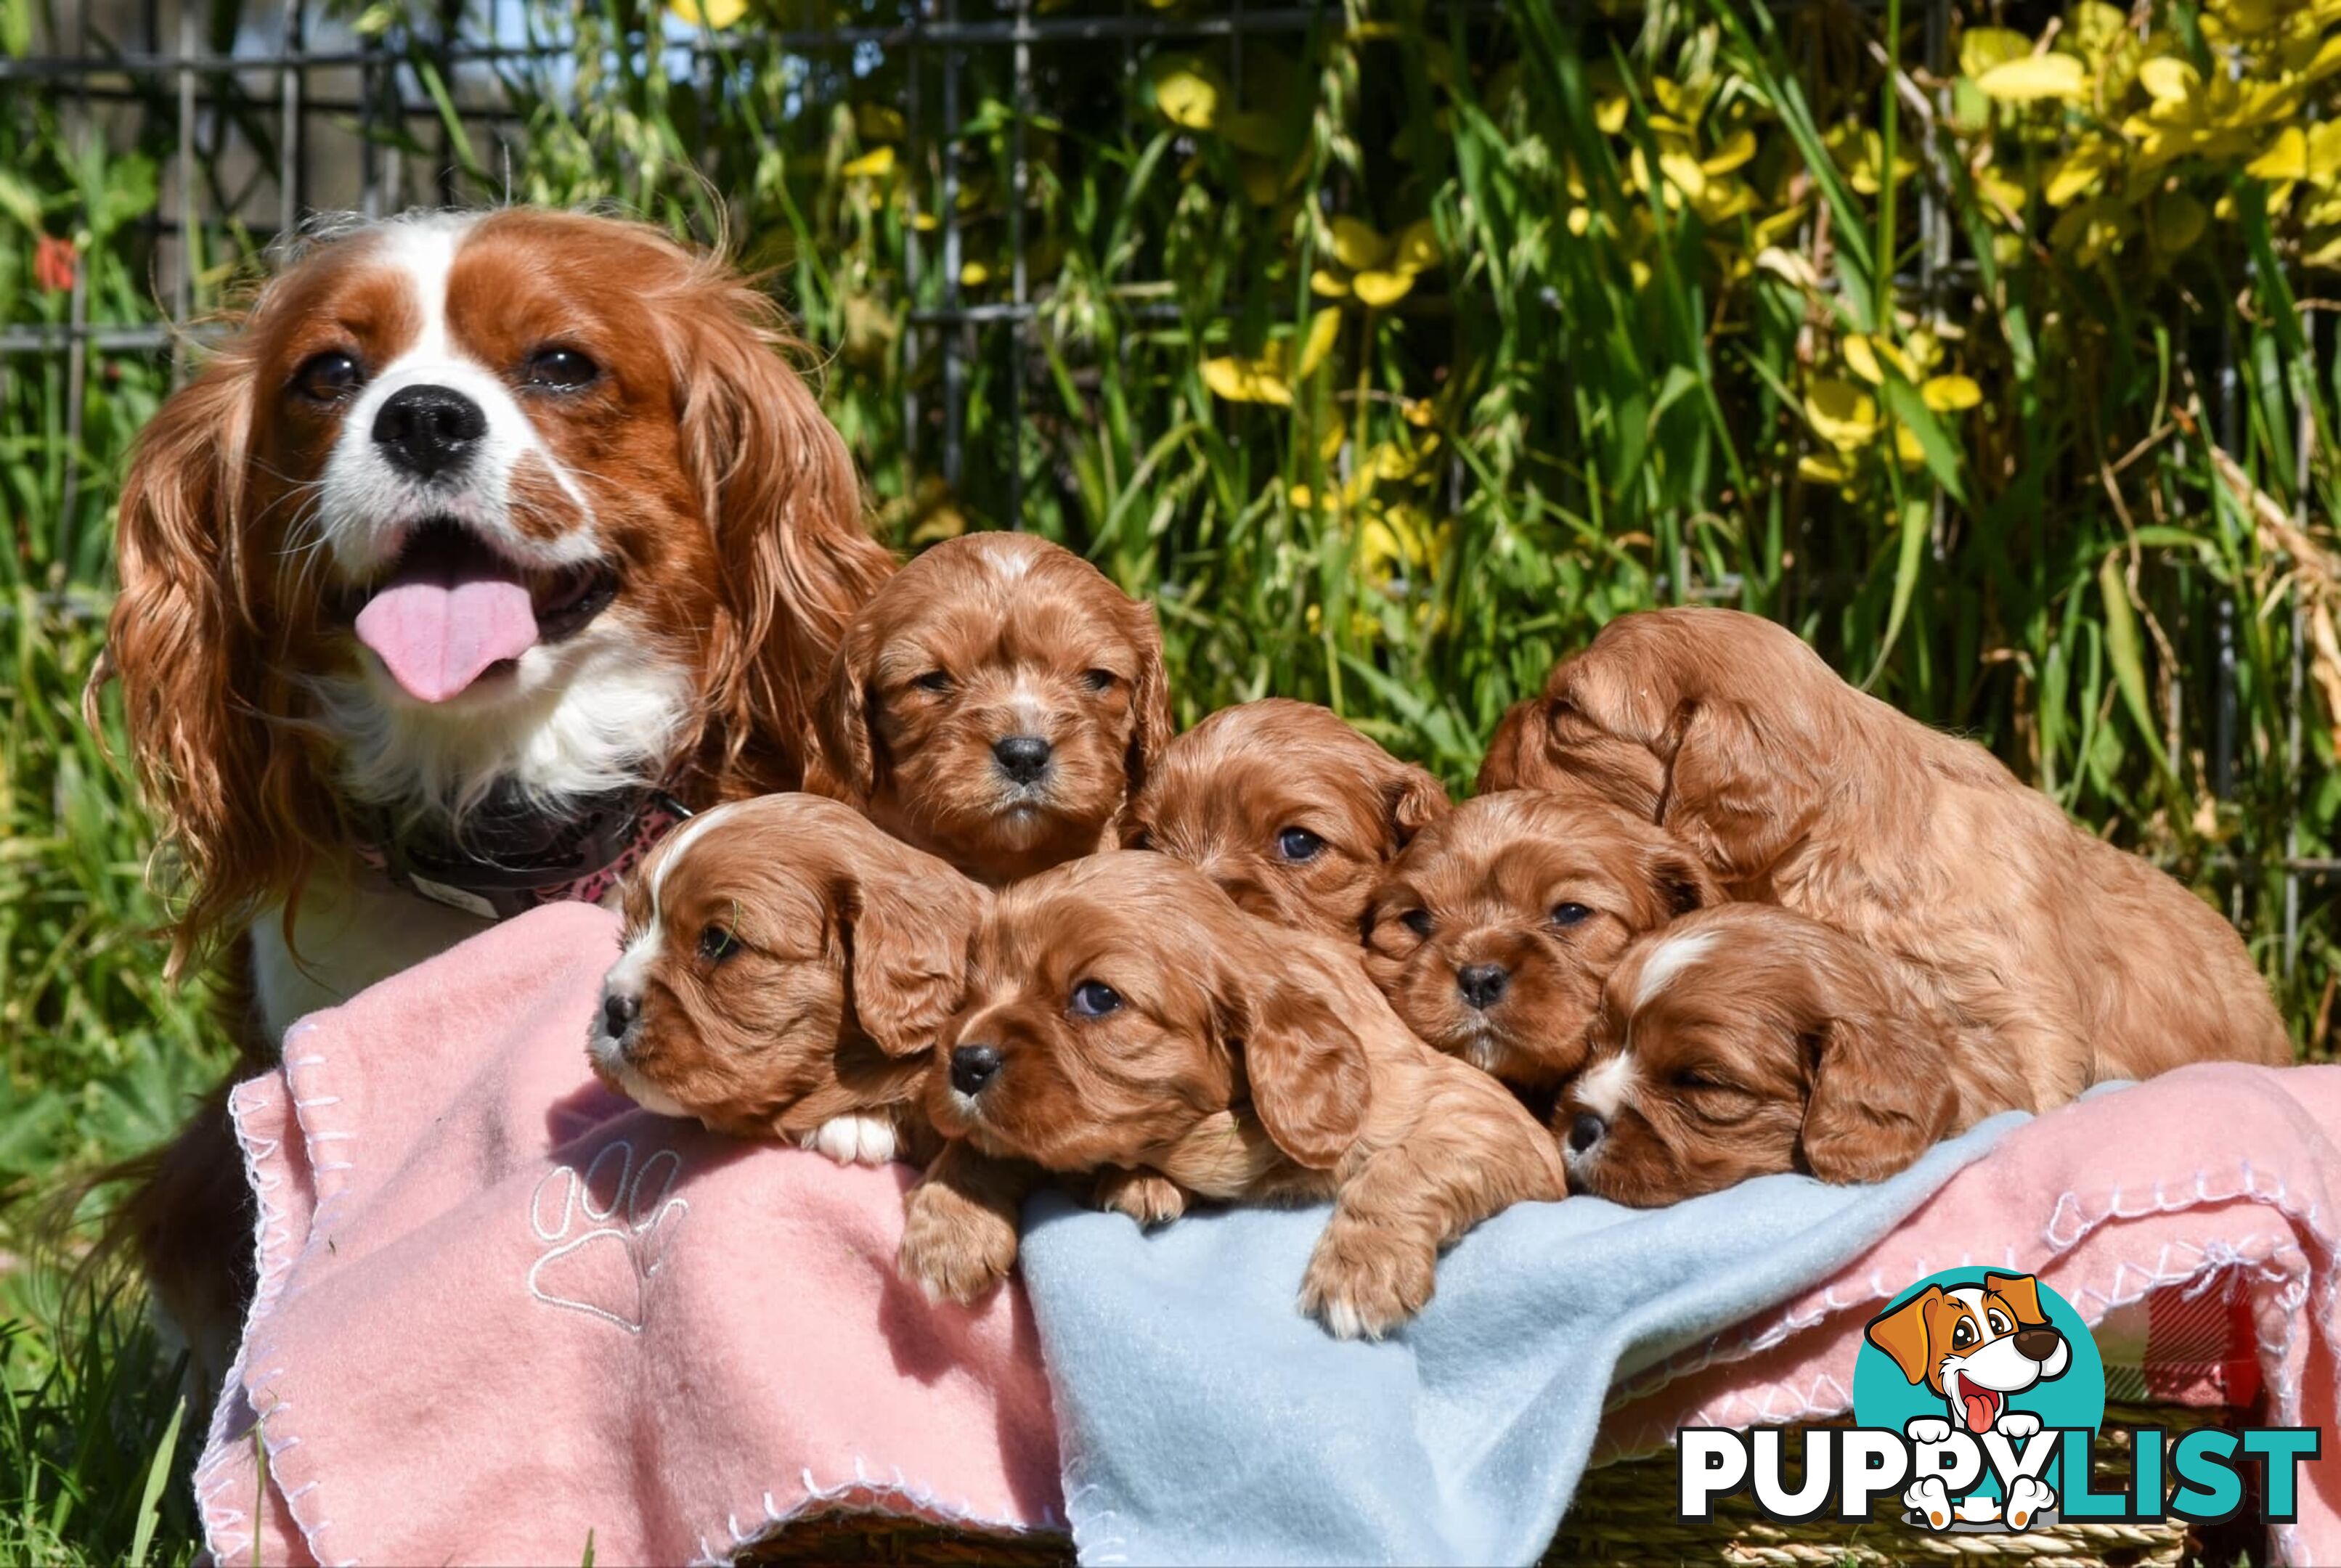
[
  {"x": 906, "y": 935},
  {"x": 1413, "y": 801},
  {"x": 1879, "y": 1098},
  {"x": 1149, "y": 700},
  {"x": 1902, "y": 1334},
  {"x": 1515, "y": 756},
  {"x": 2021, "y": 1291},
  {"x": 1307, "y": 1068},
  {"x": 848, "y": 742},
  {"x": 1681, "y": 879},
  {"x": 1876, "y": 1094}
]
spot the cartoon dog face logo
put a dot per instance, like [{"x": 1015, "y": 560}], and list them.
[{"x": 1974, "y": 1345}]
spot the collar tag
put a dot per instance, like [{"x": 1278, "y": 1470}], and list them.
[{"x": 468, "y": 902}]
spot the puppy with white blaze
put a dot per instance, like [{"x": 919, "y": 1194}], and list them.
[{"x": 484, "y": 544}]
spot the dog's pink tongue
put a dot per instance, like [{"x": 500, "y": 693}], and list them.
[
  {"x": 1980, "y": 1406},
  {"x": 436, "y": 626}
]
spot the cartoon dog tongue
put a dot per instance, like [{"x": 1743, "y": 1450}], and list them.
[
  {"x": 1982, "y": 1406},
  {"x": 445, "y": 616}
]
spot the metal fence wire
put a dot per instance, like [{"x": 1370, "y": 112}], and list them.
[{"x": 284, "y": 109}]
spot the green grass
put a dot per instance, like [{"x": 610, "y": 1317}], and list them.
[{"x": 1604, "y": 392}]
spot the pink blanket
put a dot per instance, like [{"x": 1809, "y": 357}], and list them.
[{"x": 501, "y": 1310}]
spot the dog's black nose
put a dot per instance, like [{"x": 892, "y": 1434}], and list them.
[
  {"x": 1482, "y": 985},
  {"x": 2038, "y": 1343},
  {"x": 1585, "y": 1132},
  {"x": 428, "y": 430},
  {"x": 619, "y": 1013},
  {"x": 972, "y": 1066},
  {"x": 1020, "y": 757}
]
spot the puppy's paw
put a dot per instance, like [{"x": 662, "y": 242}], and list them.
[
  {"x": 854, "y": 1140},
  {"x": 1929, "y": 1499},
  {"x": 1361, "y": 1284},
  {"x": 2017, "y": 1424},
  {"x": 2027, "y": 1499},
  {"x": 1147, "y": 1196},
  {"x": 1926, "y": 1429},
  {"x": 953, "y": 1248}
]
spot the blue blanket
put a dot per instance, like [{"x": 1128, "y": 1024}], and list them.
[{"x": 1204, "y": 1419}]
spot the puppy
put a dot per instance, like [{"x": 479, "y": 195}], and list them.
[
  {"x": 1292, "y": 812},
  {"x": 998, "y": 704},
  {"x": 1123, "y": 1014},
  {"x": 786, "y": 970},
  {"x": 1493, "y": 933},
  {"x": 1974, "y": 1345},
  {"x": 1747, "y": 1040},
  {"x": 2075, "y": 962}
]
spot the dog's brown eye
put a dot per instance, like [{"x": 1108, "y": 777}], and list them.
[
  {"x": 1094, "y": 999},
  {"x": 1098, "y": 679},
  {"x": 935, "y": 680},
  {"x": 1416, "y": 921},
  {"x": 717, "y": 943},
  {"x": 1694, "y": 1078},
  {"x": 558, "y": 369},
  {"x": 1568, "y": 914},
  {"x": 329, "y": 377},
  {"x": 1963, "y": 1334}
]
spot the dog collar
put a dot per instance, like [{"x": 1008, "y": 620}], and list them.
[{"x": 513, "y": 856}]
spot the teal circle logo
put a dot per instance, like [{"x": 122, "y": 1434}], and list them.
[{"x": 1989, "y": 1353}]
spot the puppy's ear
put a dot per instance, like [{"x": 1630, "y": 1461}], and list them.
[
  {"x": 1879, "y": 1096},
  {"x": 1307, "y": 1069},
  {"x": 2021, "y": 1291},
  {"x": 1150, "y": 701},
  {"x": 1515, "y": 756},
  {"x": 1902, "y": 1334},
  {"x": 848, "y": 744},
  {"x": 1413, "y": 800},
  {"x": 1681, "y": 879},
  {"x": 906, "y": 937},
  {"x": 1735, "y": 795},
  {"x": 777, "y": 486}
]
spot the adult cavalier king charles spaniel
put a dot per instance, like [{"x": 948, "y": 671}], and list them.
[{"x": 485, "y": 541}]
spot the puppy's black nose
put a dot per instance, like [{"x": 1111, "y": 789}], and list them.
[
  {"x": 972, "y": 1066},
  {"x": 1483, "y": 985},
  {"x": 1020, "y": 757},
  {"x": 428, "y": 430},
  {"x": 1585, "y": 1132},
  {"x": 2038, "y": 1343},
  {"x": 619, "y": 1013}
]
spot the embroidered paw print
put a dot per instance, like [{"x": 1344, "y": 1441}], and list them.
[{"x": 606, "y": 1232}]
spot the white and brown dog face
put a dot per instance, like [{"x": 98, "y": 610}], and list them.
[
  {"x": 1974, "y": 1345},
  {"x": 519, "y": 499}
]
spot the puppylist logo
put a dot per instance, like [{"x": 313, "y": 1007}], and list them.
[{"x": 1976, "y": 1400}]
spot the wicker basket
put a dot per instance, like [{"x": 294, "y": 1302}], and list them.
[{"x": 1624, "y": 1517}]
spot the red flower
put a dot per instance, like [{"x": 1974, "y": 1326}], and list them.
[{"x": 54, "y": 263}]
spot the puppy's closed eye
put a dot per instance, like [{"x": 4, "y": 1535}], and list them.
[{"x": 717, "y": 943}]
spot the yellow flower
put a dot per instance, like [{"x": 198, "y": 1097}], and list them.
[
  {"x": 1189, "y": 92},
  {"x": 1863, "y": 355},
  {"x": 714, "y": 14},
  {"x": 1841, "y": 413},
  {"x": 1982, "y": 48},
  {"x": 875, "y": 164},
  {"x": 1268, "y": 379},
  {"x": 1950, "y": 394},
  {"x": 974, "y": 275},
  {"x": 2082, "y": 169},
  {"x": 1382, "y": 268},
  {"x": 2036, "y": 79}
]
